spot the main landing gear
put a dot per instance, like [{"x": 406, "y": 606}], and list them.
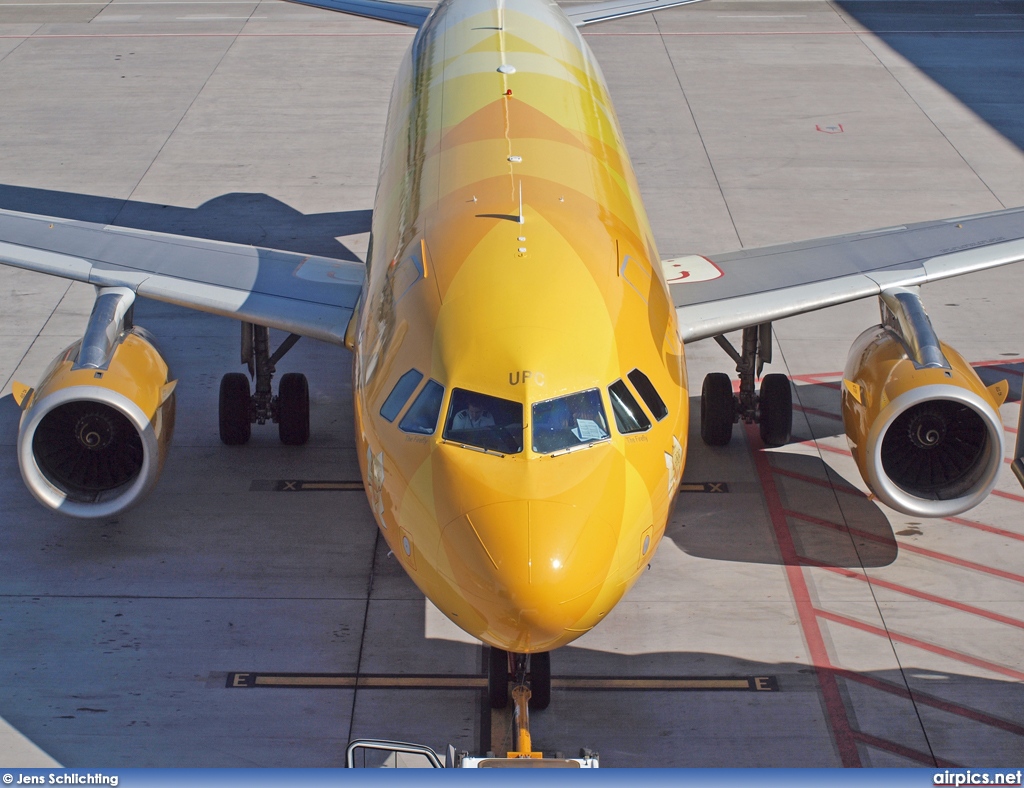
[
  {"x": 239, "y": 409},
  {"x": 771, "y": 408},
  {"x": 532, "y": 670}
]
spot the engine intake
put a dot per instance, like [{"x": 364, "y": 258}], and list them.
[
  {"x": 95, "y": 432},
  {"x": 927, "y": 437}
]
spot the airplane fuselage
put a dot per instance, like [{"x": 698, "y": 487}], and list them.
[{"x": 521, "y": 394}]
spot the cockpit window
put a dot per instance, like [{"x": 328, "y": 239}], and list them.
[
  {"x": 648, "y": 393},
  {"x": 629, "y": 416},
  {"x": 567, "y": 422},
  {"x": 485, "y": 422},
  {"x": 421, "y": 418},
  {"x": 400, "y": 394}
]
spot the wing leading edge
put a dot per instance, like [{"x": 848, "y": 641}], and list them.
[
  {"x": 306, "y": 295},
  {"x": 415, "y": 16},
  {"x": 757, "y": 286},
  {"x": 383, "y": 10},
  {"x": 592, "y": 13}
]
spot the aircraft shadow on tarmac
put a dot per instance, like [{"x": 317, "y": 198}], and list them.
[
  {"x": 975, "y": 56},
  {"x": 243, "y": 218},
  {"x": 846, "y": 528}
]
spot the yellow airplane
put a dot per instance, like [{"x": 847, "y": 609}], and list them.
[{"x": 521, "y": 399}]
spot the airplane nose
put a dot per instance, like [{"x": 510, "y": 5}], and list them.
[{"x": 536, "y": 569}]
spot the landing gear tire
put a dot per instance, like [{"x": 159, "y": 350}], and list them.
[
  {"x": 497, "y": 677},
  {"x": 293, "y": 409},
  {"x": 233, "y": 409},
  {"x": 540, "y": 681},
  {"x": 717, "y": 409},
  {"x": 776, "y": 410}
]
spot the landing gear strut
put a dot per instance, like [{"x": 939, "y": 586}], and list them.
[
  {"x": 772, "y": 409},
  {"x": 523, "y": 669},
  {"x": 239, "y": 409}
]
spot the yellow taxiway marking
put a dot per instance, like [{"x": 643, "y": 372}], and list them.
[{"x": 241, "y": 680}]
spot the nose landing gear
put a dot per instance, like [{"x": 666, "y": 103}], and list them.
[
  {"x": 530, "y": 675},
  {"x": 533, "y": 670}
]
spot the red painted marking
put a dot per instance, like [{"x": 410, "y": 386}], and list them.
[
  {"x": 987, "y": 528},
  {"x": 930, "y": 700},
  {"x": 1008, "y": 496},
  {"x": 921, "y": 644},
  {"x": 819, "y": 482},
  {"x": 910, "y": 548},
  {"x": 1007, "y": 371},
  {"x": 847, "y": 453},
  {"x": 998, "y": 363},
  {"x": 899, "y": 749},
  {"x": 815, "y": 412},
  {"x": 834, "y": 705},
  {"x": 874, "y": 581},
  {"x": 817, "y": 378},
  {"x": 833, "y": 449}
]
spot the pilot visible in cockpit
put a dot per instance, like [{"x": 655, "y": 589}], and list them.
[{"x": 473, "y": 416}]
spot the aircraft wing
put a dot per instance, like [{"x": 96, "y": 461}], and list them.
[
  {"x": 414, "y": 15},
  {"x": 399, "y": 13},
  {"x": 311, "y": 296},
  {"x": 582, "y": 15},
  {"x": 721, "y": 293}
]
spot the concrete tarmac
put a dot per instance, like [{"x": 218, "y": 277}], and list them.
[{"x": 835, "y": 632}]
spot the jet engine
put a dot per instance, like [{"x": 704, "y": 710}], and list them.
[
  {"x": 95, "y": 431},
  {"x": 924, "y": 430}
]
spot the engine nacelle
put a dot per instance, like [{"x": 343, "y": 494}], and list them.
[
  {"x": 925, "y": 431},
  {"x": 95, "y": 431}
]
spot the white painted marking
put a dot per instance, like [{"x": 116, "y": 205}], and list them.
[
  {"x": 762, "y": 16},
  {"x": 691, "y": 268}
]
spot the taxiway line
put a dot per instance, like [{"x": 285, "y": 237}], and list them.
[
  {"x": 874, "y": 581},
  {"x": 949, "y": 559},
  {"x": 1008, "y": 496},
  {"x": 816, "y": 412},
  {"x": 813, "y": 442},
  {"x": 991, "y": 529},
  {"x": 835, "y": 706},
  {"x": 936, "y": 703},
  {"x": 802, "y": 477},
  {"x": 252, "y": 679},
  {"x": 899, "y": 749},
  {"x": 921, "y": 644}
]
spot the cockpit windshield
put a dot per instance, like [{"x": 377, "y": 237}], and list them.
[
  {"x": 568, "y": 422},
  {"x": 484, "y": 422}
]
